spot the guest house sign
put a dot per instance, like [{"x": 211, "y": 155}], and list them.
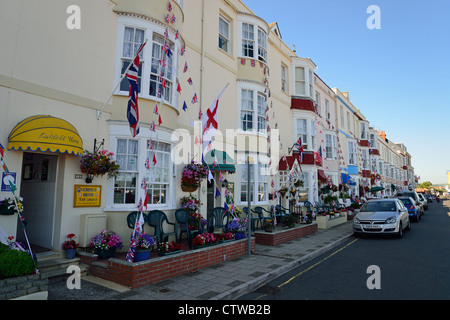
[{"x": 87, "y": 196}]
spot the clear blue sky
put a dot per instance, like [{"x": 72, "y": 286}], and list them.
[{"x": 398, "y": 76}]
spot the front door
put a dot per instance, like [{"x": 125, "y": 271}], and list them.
[{"x": 38, "y": 187}]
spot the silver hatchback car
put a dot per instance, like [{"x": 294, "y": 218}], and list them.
[{"x": 382, "y": 216}]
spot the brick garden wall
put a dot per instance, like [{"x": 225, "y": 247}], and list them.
[
  {"x": 285, "y": 235},
  {"x": 135, "y": 275}
]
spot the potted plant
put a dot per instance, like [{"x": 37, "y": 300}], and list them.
[
  {"x": 169, "y": 248},
  {"x": 70, "y": 246},
  {"x": 283, "y": 191},
  {"x": 204, "y": 239},
  {"x": 105, "y": 244},
  {"x": 238, "y": 227},
  {"x": 226, "y": 237},
  {"x": 197, "y": 222},
  {"x": 269, "y": 225},
  {"x": 191, "y": 176},
  {"x": 190, "y": 203},
  {"x": 144, "y": 244},
  {"x": 8, "y": 206},
  {"x": 289, "y": 220},
  {"x": 98, "y": 164}
]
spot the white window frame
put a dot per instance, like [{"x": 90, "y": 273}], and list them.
[
  {"x": 259, "y": 182},
  {"x": 120, "y": 131},
  {"x": 150, "y": 29},
  {"x": 352, "y": 153},
  {"x": 284, "y": 79},
  {"x": 300, "y": 82},
  {"x": 225, "y": 38},
  {"x": 255, "y": 106}
]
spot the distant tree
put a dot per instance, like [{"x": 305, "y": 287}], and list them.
[{"x": 425, "y": 185}]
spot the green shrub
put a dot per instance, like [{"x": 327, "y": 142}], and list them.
[{"x": 14, "y": 263}]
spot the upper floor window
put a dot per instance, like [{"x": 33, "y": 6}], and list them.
[
  {"x": 157, "y": 59},
  {"x": 248, "y": 40},
  {"x": 253, "y": 39},
  {"x": 352, "y": 155},
  {"x": 262, "y": 45},
  {"x": 253, "y": 116},
  {"x": 284, "y": 79},
  {"x": 327, "y": 110},
  {"x": 132, "y": 41},
  {"x": 364, "y": 129},
  {"x": 330, "y": 146},
  {"x": 224, "y": 34},
  {"x": 318, "y": 105},
  {"x": 300, "y": 81}
]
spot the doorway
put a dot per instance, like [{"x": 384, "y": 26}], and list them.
[{"x": 38, "y": 188}]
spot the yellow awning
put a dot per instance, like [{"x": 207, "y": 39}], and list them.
[{"x": 46, "y": 133}]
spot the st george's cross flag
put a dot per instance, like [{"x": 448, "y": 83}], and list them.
[
  {"x": 210, "y": 122},
  {"x": 133, "y": 110}
]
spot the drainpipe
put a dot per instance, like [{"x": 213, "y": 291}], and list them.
[{"x": 203, "y": 53}]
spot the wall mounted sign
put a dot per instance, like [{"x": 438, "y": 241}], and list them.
[{"x": 87, "y": 196}]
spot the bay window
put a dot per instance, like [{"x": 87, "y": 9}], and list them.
[{"x": 253, "y": 114}]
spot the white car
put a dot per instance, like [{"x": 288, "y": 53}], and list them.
[{"x": 382, "y": 216}]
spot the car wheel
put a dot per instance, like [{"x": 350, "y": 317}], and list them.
[{"x": 400, "y": 231}]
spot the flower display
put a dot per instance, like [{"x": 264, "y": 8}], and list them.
[
  {"x": 237, "y": 225},
  {"x": 9, "y": 204},
  {"x": 204, "y": 239},
  {"x": 144, "y": 241},
  {"x": 197, "y": 222},
  {"x": 225, "y": 236},
  {"x": 190, "y": 203},
  {"x": 99, "y": 163},
  {"x": 106, "y": 240},
  {"x": 192, "y": 174},
  {"x": 71, "y": 243},
  {"x": 167, "y": 247}
]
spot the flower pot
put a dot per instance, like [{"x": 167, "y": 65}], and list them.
[
  {"x": 141, "y": 255},
  {"x": 70, "y": 253},
  {"x": 4, "y": 211},
  {"x": 239, "y": 235},
  {"x": 105, "y": 253},
  {"x": 163, "y": 254}
]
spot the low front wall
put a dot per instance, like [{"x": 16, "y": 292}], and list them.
[
  {"x": 135, "y": 275},
  {"x": 33, "y": 286},
  {"x": 285, "y": 235},
  {"x": 324, "y": 222}
]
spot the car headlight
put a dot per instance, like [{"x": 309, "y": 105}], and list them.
[
  {"x": 391, "y": 220},
  {"x": 355, "y": 220}
]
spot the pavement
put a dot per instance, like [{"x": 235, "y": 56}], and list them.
[{"x": 225, "y": 281}]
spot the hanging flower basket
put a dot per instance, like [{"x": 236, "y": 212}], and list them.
[
  {"x": 8, "y": 206},
  {"x": 192, "y": 175},
  {"x": 189, "y": 188},
  {"x": 98, "y": 164}
]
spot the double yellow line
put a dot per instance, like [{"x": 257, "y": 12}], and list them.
[{"x": 311, "y": 267}]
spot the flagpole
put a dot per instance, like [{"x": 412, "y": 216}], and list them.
[{"x": 99, "y": 112}]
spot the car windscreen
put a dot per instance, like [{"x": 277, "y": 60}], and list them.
[
  {"x": 406, "y": 201},
  {"x": 409, "y": 194},
  {"x": 372, "y": 206}
]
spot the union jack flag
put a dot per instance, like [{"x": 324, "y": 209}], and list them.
[
  {"x": 137, "y": 231},
  {"x": 194, "y": 99},
  {"x": 173, "y": 19},
  {"x": 183, "y": 50},
  {"x": 185, "y": 67},
  {"x": 133, "y": 110},
  {"x": 299, "y": 146},
  {"x": 189, "y": 81},
  {"x": 147, "y": 164},
  {"x": 220, "y": 177}
]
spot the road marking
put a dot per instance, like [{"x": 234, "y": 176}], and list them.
[{"x": 311, "y": 267}]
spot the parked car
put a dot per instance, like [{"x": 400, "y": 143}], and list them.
[
  {"x": 413, "y": 210},
  {"x": 413, "y": 195},
  {"x": 428, "y": 197},
  {"x": 382, "y": 216},
  {"x": 423, "y": 200}
]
